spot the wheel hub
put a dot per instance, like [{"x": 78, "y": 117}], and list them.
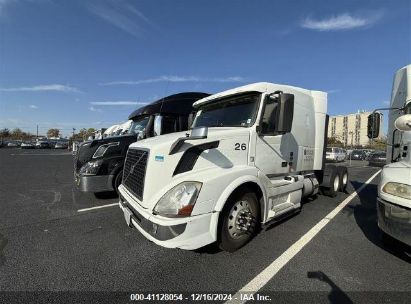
[{"x": 240, "y": 219}]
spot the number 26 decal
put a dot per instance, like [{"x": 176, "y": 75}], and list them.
[{"x": 239, "y": 146}]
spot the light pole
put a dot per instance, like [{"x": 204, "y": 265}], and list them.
[{"x": 352, "y": 135}]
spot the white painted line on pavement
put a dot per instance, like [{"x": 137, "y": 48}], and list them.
[
  {"x": 97, "y": 207},
  {"x": 268, "y": 273},
  {"x": 39, "y": 154}
]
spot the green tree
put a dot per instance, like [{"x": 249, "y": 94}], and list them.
[
  {"x": 83, "y": 134},
  {"x": 378, "y": 143},
  {"x": 334, "y": 141},
  {"x": 91, "y": 131}
]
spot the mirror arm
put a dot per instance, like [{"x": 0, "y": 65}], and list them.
[{"x": 387, "y": 109}]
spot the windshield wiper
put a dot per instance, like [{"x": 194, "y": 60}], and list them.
[{"x": 216, "y": 125}]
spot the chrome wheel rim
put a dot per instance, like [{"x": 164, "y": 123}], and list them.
[
  {"x": 336, "y": 183},
  {"x": 345, "y": 179},
  {"x": 240, "y": 220}
]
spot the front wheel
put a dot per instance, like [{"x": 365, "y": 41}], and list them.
[
  {"x": 239, "y": 221},
  {"x": 117, "y": 181},
  {"x": 387, "y": 240}
]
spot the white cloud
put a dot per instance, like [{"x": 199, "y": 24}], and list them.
[
  {"x": 117, "y": 103},
  {"x": 344, "y": 21},
  {"x": 120, "y": 14},
  {"x": 333, "y": 91},
  {"x": 33, "y": 107},
  {"x": 175, "y": 79},
  {"x": 39, "y": 88},
  {"x": 93, "y": 109}
]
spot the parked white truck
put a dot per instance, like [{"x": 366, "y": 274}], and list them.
[
  {"x": 253, "y": 153},
  {"x": 394, "y": 189}
]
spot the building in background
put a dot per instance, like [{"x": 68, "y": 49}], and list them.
[{"x": 351, "y": 129}]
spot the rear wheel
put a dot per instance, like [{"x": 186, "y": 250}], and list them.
[
  {"x": 239, "y": 221},
  {"x": 343, "y": 175},
  {"x": 334, "y": 185}
]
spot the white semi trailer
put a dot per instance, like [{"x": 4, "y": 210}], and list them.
[
  {"x": 394, "y": 189},
  {"x": 253, "y": 154}
]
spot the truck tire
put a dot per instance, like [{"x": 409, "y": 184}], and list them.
[
  {"x": 117, "y": 181},
  {"x": 239, "y": 220},
  {"x": 388, "y": 240},
  {"x": 332, "y": 188},
  {"x": 343, "y": 174}
]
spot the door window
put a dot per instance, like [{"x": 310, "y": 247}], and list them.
[
  {"x": 169, "y": 124},
  {"x": 268, "y": 123}
]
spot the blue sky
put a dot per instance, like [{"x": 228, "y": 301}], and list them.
[{"x": 81, "y": 64}]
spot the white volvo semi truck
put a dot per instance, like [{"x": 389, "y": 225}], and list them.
[
  {"x": 394, "y": 189},
  {"x": 253, "y": 153}
]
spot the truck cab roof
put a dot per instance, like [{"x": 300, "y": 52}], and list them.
[
  {"x": 261, "y": 87},
  {"x": 169, "y": 105}
]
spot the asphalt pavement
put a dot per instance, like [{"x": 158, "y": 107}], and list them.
[{"x": 47, "y": 245}]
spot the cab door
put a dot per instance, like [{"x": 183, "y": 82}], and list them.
[
  {"x": 271, "y": 155},
  {"x": 274, "y": 152}
]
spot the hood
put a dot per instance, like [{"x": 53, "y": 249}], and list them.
[
  {"x": 194, "y": 156},
  {"x": 164, "y": 141},
  {"x": 102, "y": 141},
  {"x": 87, "y": 149},
  {"x": 397, "y": 165}
]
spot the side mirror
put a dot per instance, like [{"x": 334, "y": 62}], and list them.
[
  {"x": 141, "y": 135},
  {"x": 285, "y": 113},
  {"x": 403, "y": 123},
  {"x": 199, "y": 133},
  {"x": 157, "y": 125},
  {"x": 196, "y": 133},
  {"x": 373, "y": 125}
]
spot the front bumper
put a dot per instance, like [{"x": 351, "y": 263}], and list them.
[
  {"x": 181, "y": 232},
  {"x": 94, "y": 183},
  {"x": 394, "y": 220}
]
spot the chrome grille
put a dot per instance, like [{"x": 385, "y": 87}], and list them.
[{"x": 134, "y": 171}]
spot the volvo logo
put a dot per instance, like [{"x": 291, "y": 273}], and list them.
[{"x": 132, "y": 168}]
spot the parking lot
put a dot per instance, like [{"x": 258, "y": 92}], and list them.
[{"x": 52, "y": 238}]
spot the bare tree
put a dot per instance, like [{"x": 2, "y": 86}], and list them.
[
  {"x": 17, "y": 133},
  {"x": 53, "y": 133},
  {"x": 5, "y": 133}
]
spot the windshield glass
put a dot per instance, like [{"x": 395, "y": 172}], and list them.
[
  {"x": 237, "y": 111},
  {"x": 138, "y": 125}
]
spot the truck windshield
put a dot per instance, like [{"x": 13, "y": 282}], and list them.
[
  {"x": 138, "y": 126},
  {"x": 237, "y": 111}
]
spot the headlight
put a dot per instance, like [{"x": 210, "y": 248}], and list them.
[
  {"x": 91, "y": 168},
  {"x": 179, "y": 201},
  {"x": 397, "y": 189},
  {"x": 103, "y": 148}
]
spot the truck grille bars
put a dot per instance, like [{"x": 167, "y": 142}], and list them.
[{"x": 134, "y": 171}]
